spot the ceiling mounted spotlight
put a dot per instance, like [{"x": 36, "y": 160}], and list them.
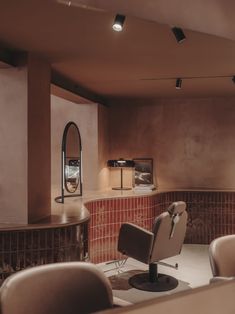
[
  {"x": 178, "y": 83},
  {"x": 179, "y": 34},
  {"x": 118, "y": 22},
  {"x": 233, "y": 79}
]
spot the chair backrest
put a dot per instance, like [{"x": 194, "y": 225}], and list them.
[
  {"x": 222, "y": 256},
  {"x": 61, "y": 288},
  {"x": 169, "y": 232}
]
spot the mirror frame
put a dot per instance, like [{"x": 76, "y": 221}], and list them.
[{"x": 60, "y": 199}]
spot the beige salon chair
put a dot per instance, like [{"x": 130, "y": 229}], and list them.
[
  {"x": 165, "y": 240},
  {"x": 61, "y": 288},
  {"x": 222, "y": 258}
]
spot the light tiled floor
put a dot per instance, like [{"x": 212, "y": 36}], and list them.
[{"x": 193, "y": 271}]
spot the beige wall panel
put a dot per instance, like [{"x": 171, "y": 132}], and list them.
[
  {"x": 13, "y": 145},
  {"x": 39, "y": 139},
  {"x": 103, "y": 147}
]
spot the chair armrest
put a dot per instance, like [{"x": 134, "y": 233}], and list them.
[
  {"x": 135, "y": 242},
  {"x": 220, "y": 279},
  {"x": 119, "y": 302}
]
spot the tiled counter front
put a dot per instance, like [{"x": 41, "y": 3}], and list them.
[
  {"x": 20, "y": 249},
  {"x": 211, "y": 214},
  {"x": 107, "y": 216}
]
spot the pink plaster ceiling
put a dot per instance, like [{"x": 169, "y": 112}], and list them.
[
  {"x": 214, "y": 17},
  {"x": 140, "y": 62}
]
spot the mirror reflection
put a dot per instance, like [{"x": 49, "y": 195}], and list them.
[{"x": 72, "y": 175}]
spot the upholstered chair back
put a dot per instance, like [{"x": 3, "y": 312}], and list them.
[
  {"x": 62, "y": 288},
  {"x": 169, "y": 230},
  {"x": 222, "y": 256}
]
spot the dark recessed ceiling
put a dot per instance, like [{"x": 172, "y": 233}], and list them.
[{"x": 140, "y": 62}]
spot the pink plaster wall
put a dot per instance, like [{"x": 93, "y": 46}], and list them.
[
  {"x": 192, "y": 141},
  {"x": 39, "y": 139},
  {"x": 13, "y": 145},
  {"x": 103, "y": 147},
  {"x": 25, "y": 142}
]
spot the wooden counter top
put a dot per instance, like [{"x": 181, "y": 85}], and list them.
[{"x": 74, "y": 210}]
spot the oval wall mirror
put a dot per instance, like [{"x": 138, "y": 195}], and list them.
[
  {"x": 71, "y": 163},
  {"x": 72, "y": 157}
]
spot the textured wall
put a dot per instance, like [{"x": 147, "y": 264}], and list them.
[
  {"x": 39, "y": 139},
  {"x": 13, "y": 145},
  {"x": 86, "y": 118},
  {"x": 192, "y": 141},
  {"x": 25, "y": 142},
  {"x": 103, "y": 147}
]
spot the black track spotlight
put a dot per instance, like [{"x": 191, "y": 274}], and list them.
[
  {"x": 178, "y": 83},
  {"x": 233, "y": 79},
  {"x": 179, "y": 34},
  {"x": 118, "y": 22}
]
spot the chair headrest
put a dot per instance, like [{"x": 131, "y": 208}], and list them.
[{"x": 176, "y": 208}]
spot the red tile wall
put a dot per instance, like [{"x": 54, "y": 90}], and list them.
[
  {"x": 20, "y": 249},
  {"x": 107, "y": 216},
  {"x": 210, "y": 215}
]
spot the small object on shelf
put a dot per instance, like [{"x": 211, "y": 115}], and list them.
[
  {"x": 143, "y": 171},
  {"x": 121, "y": 163},
  {"x": 143, "y": 178},
  {"x": 144, "y": 188}
]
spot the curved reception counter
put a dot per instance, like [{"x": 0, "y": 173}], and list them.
[
  {"x": 87, "y": 228},
  {"x": 58, "y": 238}
]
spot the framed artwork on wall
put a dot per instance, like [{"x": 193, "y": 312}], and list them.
[{"x": 143, "y": 174}]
